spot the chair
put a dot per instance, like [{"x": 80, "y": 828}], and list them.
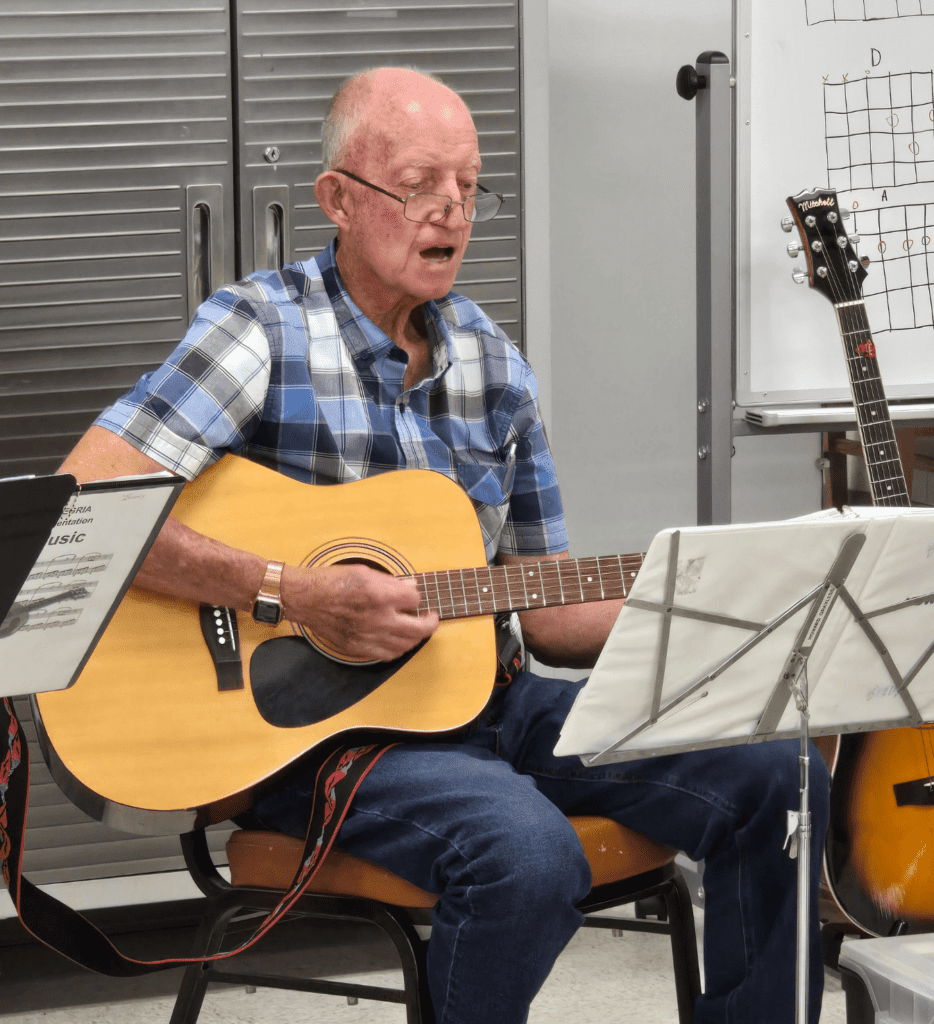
[{"x": 627, "y": 868}]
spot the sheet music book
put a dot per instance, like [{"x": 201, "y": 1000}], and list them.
[
  {"x": 729, "y": 584},
  {"x": 86, "y": 563}
]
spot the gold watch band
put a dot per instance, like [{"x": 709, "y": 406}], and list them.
[{"x": 271, "y": 587}]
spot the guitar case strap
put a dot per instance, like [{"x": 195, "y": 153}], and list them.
[{"x": 73, "y": 936}]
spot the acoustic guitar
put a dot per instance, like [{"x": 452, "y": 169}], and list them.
[
  {"x": 184, "y": 714},
  {"x": 879, "y": 855}
]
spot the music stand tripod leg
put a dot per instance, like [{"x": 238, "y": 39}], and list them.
[{"x": 795, "y": 677}]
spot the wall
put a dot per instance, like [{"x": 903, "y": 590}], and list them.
[{"x": 621, "y": 365}]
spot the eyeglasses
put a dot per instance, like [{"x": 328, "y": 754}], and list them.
[{"x": 427, "y": 208}]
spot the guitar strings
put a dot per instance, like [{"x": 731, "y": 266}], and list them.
[
  {"x": 483, "y": 591},
  {"x": 867, "y": 390},
  {"x": 854, "y": 322}
]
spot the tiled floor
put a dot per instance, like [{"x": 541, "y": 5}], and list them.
[{"x": 600, "y": 978}]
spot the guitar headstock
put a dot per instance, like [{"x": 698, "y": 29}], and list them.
[{"x": 833, "y": 265}]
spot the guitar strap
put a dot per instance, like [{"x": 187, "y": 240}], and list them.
[{"x": 73, "y": 936}]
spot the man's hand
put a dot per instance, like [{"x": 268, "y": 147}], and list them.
[{"x": 358, "y": 611}]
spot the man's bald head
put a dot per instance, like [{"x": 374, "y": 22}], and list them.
[{"x": 371, "y": 108}]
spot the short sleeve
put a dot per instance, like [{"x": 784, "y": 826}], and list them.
[{"x": 208, "y": 396}]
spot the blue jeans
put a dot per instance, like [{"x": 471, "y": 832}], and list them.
[{"x": 483, "y": 822}]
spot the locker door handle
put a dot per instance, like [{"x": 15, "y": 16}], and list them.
[
  {"x": 271, "y": 245},
  {"x": 205, "y": 207}
]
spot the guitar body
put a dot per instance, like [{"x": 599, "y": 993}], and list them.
[
  {"x": 146, "y": 740},
  {"x": 879, "y": 855}
]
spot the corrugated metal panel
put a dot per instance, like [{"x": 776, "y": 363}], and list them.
[
  {"x": 293, "y": 54},
  {"x": 109, "y": 110}
]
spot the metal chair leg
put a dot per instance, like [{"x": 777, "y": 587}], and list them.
[
  {"x": 194, "y": 984},
  {"x": 683, "y": 947},
  {"x": 412, "y": 951}
]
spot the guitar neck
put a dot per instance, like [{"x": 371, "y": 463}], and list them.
[
  {"x": 883, "y": 462},
  {"x": 460, "y": 593}
]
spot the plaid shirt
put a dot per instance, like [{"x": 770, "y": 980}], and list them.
[{"x": 285, "y": 369}]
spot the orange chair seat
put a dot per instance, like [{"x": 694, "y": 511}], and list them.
[{"x": 269, "y": 860}]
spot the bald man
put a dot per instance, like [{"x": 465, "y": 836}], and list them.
[{"x": 364, "y": 360}]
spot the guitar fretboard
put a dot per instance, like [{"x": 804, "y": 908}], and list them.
[
  {"x": 457, "y": 593},
  {"x": 883, "y": 462}
]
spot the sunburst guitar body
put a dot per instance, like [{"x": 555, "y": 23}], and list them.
[{"x": 879, "y": 855}]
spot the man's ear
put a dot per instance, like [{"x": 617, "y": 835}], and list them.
[{"x": 333, "y": 198}]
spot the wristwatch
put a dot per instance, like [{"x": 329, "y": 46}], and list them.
[{"x": 267, "y": 607}]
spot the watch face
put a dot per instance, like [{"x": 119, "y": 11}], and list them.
[{"x": 267, "y": 612}]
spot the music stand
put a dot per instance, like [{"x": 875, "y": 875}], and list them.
[
  {"x": 743, "y": 634},
  {"x": 68, "y": 555}
]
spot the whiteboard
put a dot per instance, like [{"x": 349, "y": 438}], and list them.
[{"x": 835, "y": 93}]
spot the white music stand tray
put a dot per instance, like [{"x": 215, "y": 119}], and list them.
[
  {"x": 69, "y": 553},
  {"x": 743, "y": 634}
]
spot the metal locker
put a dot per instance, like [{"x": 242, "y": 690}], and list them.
[{"x": 116, "y": 199}]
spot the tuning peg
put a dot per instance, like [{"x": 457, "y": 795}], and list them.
[
  {"x": 845, "y": 214},
  {"x": 787, "y": 224},
  {"x": 798, "y": 276},
  {"x": 854, "y": 238},
  {"x": 793, "y": 248},
  {"x": 864, "y": 261}
]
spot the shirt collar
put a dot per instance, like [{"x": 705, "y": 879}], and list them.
[{"x": 364, "y": 339}]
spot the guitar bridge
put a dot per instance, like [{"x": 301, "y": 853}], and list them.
[
  {"x": 919, "y": 793},
  {"x": 219, "y": 629}
]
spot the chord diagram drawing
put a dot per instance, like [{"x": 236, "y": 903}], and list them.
[
  {"x": 880, "y": 131},
  {"x": 819, "y": 11},
  {"x": 899, "y": 289}
]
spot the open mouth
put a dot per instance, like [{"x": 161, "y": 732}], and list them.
[{"x": 438, "y": 253}]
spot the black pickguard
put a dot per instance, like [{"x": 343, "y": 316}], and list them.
[{"x": 294, "y": 684}]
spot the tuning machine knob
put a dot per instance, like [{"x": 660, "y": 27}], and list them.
[
  {"x": 787, "y": 224},
  {"x": 864, "y": 261},
  {"x": 798, "y": 276},
  {"x": 793, "y": 248}
]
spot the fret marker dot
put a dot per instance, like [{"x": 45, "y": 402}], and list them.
[
  {"x": 535, "y": 597},
  {"x": 590, "y": 579},
  {"x": 485, "y": 590}
]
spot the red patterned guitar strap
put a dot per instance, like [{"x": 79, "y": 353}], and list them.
[{"x": 66, "y": 931}]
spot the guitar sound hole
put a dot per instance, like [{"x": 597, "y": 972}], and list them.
[{"x": 325, "y": 648}]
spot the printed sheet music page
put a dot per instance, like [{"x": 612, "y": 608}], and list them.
[{"x": 89, "y": 560}]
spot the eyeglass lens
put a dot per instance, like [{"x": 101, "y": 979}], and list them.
[{"x": 427, "y": 208}]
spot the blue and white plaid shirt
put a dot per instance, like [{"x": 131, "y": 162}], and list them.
[{"x": 284, "y": 368}]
